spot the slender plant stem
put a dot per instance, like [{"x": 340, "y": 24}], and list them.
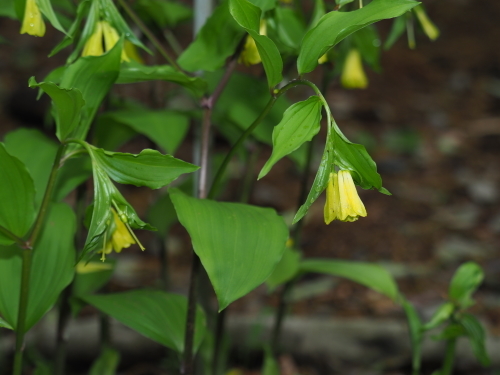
[
  {"x": 219, "y": 334},
  {"x": 27, "y": 255},
  {"x": 449, "y": 357},
  {"x": 46, "y": 198},
  {"x": 149, "y": 34},
  {"x": 12, "y": 236},
  {"x": 63, "y": 319}
]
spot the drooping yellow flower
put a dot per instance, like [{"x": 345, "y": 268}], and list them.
[
  {"x": 427, "y": 25},
  {"x": 353, "y": 76},
  {"x": 93, "y": 46},
  {"x": 250, "y": 54},
  {"x": 111, "y": 37},
  {"x": 131, "y": 51},
  {"x": 121, "y": 237},
  {"x": 342, "y": 199},
  {"x": 323, "y": 59},
  {"x": 32, "y": 22}
]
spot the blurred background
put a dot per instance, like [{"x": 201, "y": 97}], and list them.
[{"x": 431, "y": 121}]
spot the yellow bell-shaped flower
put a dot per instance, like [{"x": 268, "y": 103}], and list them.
[
  {"x": 111, "y": 37},
  {"x": 93, "y": 45},
  {"x": 323, "y": 59},
  {"x": 342, "y": 199},
  {"x": 106, "y": 33},
  {"x": 121, "y": 237},
  {"x": 250, "y": 54},
  {"x": 353, "y": 76},
  {"x": 32, "y": 22},
  {"x": 429, "y": 28}
]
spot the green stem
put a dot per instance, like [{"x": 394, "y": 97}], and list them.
[
  {"x": 149, "y": 34},
  {"x": 46, "y": 198},
  {"x": 27, "y": 255},
  {"x": 12, "y": 236},
  {"x": 280, "y": 316},
  {"x": 449, "y": 357}
]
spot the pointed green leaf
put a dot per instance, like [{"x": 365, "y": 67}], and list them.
[
  {"x": 477, "y": 337},
  {"x": 214, "y": 43},
  {"x": 248, "y": 16},
  {"x": 7, "y": 9},
  {"x": 239, "y": 245},
  {"x": 107, "y": 363},
  {"x": 52, "y": 268},
  {"x": 163, "y": 12},
  {"x": 46, "y": 8},
  {"x": 368, "y": 44},
  {"x": 291, "y": 28},
  {"x": 465, "y": 281},
  {"x": 286, "y": 270},
  {"x": 270, "y": 365},
  {"x": 67, "y": 106},
  {"x": 75, "y": 171},
  {"x": 157, "y": 315},
  {"x": 149, "y": 168},
  {"x": 132, "y": 72},
  {"x": 300, "y": 123},
  {"x": 370, "y": 275},
  {"x": 93, "y": 76},
  {"x": 93, "y": 16},
  {"x": 165, "y": 127},
  {"x": 17, "y": 196},
  {"x": 4, "y": 324},
  {"x": 398, "y": 28},
  {"x": 416, "y": 337},
  {"x": 162, "y": 215},
  {"x": 441, "y": 315},
  {"x": 335, "y": 26}
]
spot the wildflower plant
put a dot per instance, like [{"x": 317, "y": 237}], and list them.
[{"x": 239, "y": 245}]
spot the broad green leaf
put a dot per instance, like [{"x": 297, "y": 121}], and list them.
[
  {"x": 81, "y": 12},
  {"x": 67, "y": 106},
  {"x": 21, "y": 143},
  {"x": 291, "y": 28},
  {"x": 450, "y": 332},
  {"x": 465, "y": 281},
  {"x": 354, "y": 157},
  {"x": 368, "y": 44},
  {"x": 416, "y": 337},
  {"x": 17, "y": 196},
  {"x": 318, "y": 12},
  {"x": 46, "y": 8},
  {"x": 264, "y": 5},
  {"x": 7, "y": 9},
  {"x": 343, "y": 2},
  {"x": 248, "y": 16},
  {"x": 320, "y": 181},
  {"x": 370, "y": 275},
  {"x": 157, "y": 315},
  {"x": 93, "y": 76},
  {"x": 149, "y": 168},
  {"x": 4, "y": 324},
  {"x": 163, "y": 12},
  {"x": 75, "y": 171},
  {"x": 270, "y": 365},
  {"x": 398, "y": 28},
  {"x": 162, "y": 214},
  {"x": 109, "y": 134},
  {"x": 441, "y": 315},
  {"x": 475, "y": 332},
  {"x": 164, "y": 127},
  {"x": 239, "y": 245},
  {"x": 214, "y": 43},
  {"x": 132, "y": 72},
  {"x": 52, "y": 268},
  {"x": 286, "y": 270},
  {"x": 335, "y": 26},
  {"x": 300, "y": 123},
  {"x": 107, "y": 363},
  {"x": 114, "y": 17}
]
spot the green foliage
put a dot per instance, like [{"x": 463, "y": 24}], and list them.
[
  {"x": 157, "y": 315},
  {"x": 286, "y": 270},
  {"x": 163, "y": 13},
  {"x": 239, "y": 245},
  {"x": 464, "y": 283},
  {"x": 107, "y": 363},
  {"x": 477, "y": 337},
  {"x": 47, "y": 10},
  {"x": 17, "y": 197},
  {"x": 335, "y": 26},
  {"x": 300, "y": 123},
  {"x": 52, "y": 268}
]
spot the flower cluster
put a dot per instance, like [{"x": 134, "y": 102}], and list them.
[{"x": 250, "y": 54}]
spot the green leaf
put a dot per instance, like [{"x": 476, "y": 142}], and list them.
[
  {"x": 416, "y": 337},
  {"x": 286, "y": 270},
  {"x": 132, "y": 72},
  {"x": 164, "y": 127},
  {"x": 300, "y": 123},
  {"x": 270, "y": 366},
  {"x": 67, "y": 106},
  {"x": 465, "y": 281},
  {"x": 264, "y": 5},
  {"x": 163, "y": 13},
  {"x": 21, "y": 143},
  {"x": 239, "y": 245},
  {"x": 149, "y": 168},
  {"x": 368, "y": 44},
  {"x": 93, "y": 16},
  {"x": 451, "y": 332},
  {"x": 107, "y": 363},
  {"x": 442, "y": 314},
  {"x": 46, "y": 8},
  {"x": 214, "y": 43},
  {"x": 93, "y": 76},
  {"x": 157, "y": 315},
  {"x": 4, "y": 324},
  {"x": 335, "y": 26},
  {"x": 17, "y": 196},
  {"x": 162, "y": 214},
  {"x": 7, "y": 9},
  {"x": 475, "y": 332},
  {"x": 248, "y": 16},
  {"x": 398, "y": 28},
  {"x": 74, "y": 172},
  {"x": 370, "y": 275},
  {"x": 52, "y": 268},
  {"x": 290, "y": 27}
]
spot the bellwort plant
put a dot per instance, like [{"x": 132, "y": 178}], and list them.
[{"x": 63, "y": 213}]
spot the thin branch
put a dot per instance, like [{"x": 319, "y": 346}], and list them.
[{"x": 13, "y": 237}]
